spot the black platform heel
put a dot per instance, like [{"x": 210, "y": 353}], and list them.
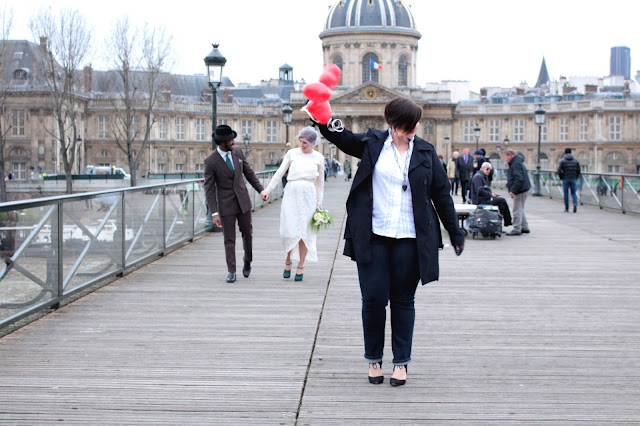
[
  {"x": 398, "y": 382},
  {"x": 287, "y": 273},
  {"x": 378, "y": 379}
]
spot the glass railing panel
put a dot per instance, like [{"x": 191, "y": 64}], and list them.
[
  {"x": 29, "y": 271},
  {"x": 178, "y": 221},
  {"x": 143, "y": 218},
  {"x": 91, "y": 239}
]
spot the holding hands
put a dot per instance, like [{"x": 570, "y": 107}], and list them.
[{"x": 264, "y": 195}]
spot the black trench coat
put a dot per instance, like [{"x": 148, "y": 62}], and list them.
[{"x": 429, "y": 187}]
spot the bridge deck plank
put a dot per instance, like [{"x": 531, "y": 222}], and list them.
[{"x": 537, "y": 328}]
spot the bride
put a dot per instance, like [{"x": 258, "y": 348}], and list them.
[{"x": 302, "y": 196}]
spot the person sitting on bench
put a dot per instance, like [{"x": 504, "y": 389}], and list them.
[{"x": 480, "y": 193}]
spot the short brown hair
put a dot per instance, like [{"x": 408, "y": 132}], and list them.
[
  {"x": 402, "y": 113},
  {"x": 509, "y": 152}
]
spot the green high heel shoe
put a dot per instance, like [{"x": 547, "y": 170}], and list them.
[
  {"x": 287, "y": 272},
  {"x": 298, "y": 276}
]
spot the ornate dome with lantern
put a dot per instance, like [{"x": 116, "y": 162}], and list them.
[{"x": 372, "y": 40}]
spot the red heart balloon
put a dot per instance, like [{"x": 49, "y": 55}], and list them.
[
  {"x": 329, "y": 79},
  {"x": 334, "y": 69},
  {"x": 321, "y": 111},
  {"x": 316, "y": 92}
]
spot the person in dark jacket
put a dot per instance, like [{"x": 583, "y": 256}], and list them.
[
  {"x": 392, "y": 230},
  {"x": 569, "y": 172},
  {"x": 464, "y": 167},
  {"x": 480, "y": 193},
  {"x": 518, "y": 185}
]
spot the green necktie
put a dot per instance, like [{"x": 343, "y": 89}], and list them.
[{"x": 229, "y": 163}]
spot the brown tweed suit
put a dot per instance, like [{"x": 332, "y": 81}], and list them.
[{"x": 227, "y": 195}]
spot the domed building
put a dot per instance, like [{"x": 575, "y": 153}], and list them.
[{"x": 372, "y": 40}]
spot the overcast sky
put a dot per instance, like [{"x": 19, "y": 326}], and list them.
[{"x": 488, "y": 43}]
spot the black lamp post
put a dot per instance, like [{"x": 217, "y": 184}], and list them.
[
  {"x": 539, "y": 121},
  {"x": 446, "y": 148},
  {"x": 214, "y": 62},
  {"x": 247, "y": 144},
  {"x": 287, "y": 111},
  {"x": 476, "y": 132}
]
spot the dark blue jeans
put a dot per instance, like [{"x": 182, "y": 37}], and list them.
[
  {"x": 392, "y": 275},
  {"x": 569, "y": 184}
]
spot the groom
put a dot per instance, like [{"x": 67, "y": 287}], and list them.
[{"x": 228, "y": 198}]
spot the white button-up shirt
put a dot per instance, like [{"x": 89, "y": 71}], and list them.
[{"x": 392, "y": 207}]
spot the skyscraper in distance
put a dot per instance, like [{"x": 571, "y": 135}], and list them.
[{"x": 620, "y": 63}]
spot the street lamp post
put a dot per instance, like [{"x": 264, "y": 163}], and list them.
[
  {"x": 214, "y": 62},
  {"x": 446, "y": 148},
  {"x": 287, "y": 111},
  {"x": 540, "y": 122},
  {"x": 476, "y": 132}
]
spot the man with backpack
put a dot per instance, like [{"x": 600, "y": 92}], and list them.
[{"x": 569, "y": 172}]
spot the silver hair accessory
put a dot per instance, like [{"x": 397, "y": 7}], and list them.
[{"x": 335, "y": 125}]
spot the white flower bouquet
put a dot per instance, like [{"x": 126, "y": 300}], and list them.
[{"x": 321, "y": 219}]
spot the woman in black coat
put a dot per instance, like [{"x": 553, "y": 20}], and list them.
[{"x": 392, "y": 230}]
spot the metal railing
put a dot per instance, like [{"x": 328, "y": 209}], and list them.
[
  {"x": 605, "y": 190},
  {"x": 52, "y": 248}
]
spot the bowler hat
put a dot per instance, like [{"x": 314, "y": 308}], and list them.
[
  {"x": 477, "y": 152},
  {"x": 224, "y": 133}
]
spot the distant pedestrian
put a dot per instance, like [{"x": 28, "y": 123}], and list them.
[
  {"x": 452, "y": 172},
  {"x": 347, "y": 169},
  {"x": 444, "y": 165},
  {"x": 569, "y": 172},
  {"x": 518, "y": 185},
  {"x": 464, "y": 165}
]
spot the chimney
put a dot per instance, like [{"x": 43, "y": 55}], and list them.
[
  {"x": 590, "y": 89},
  {"x": 43, "y": 43},
  {"x": 483, "y": 95},
  {"x": 227, "y": 95},
  {"x": 88, "y": 78},
  {"x": 567, "y": 89},
  {"x": 519, "y": 91},
  {"x": 166, "y": 93},
  {"x": 627, "y": 89}
]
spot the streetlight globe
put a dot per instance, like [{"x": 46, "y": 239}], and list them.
[
  {"x": 540, "y": 112},
  {"x": 215, "y": 62}
]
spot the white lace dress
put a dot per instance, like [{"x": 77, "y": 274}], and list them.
[{"x": 302, "y": 195}]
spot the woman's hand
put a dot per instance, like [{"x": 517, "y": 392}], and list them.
[
  {"x": 319, "y": 207},
  {"x": 264, "y": 195}
]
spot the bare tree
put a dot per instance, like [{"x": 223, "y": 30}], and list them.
[
  {"x": 65, "y": 39},
  {"x": 141, "y": 59},
  {"x": 6, "y": 22}
]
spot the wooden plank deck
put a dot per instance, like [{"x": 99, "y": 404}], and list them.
[{"x": 541, "y": 328}]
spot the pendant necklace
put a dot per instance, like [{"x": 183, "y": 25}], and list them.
[{"x": 405, "y": 181}]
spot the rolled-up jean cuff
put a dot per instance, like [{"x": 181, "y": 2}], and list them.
[
  {"x": 373, "y": 361},
  {"x": 402, "y": 362}
]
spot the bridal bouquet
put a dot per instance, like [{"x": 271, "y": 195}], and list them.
[{"x": 321, "y": 219}]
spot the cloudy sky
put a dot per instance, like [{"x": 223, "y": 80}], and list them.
[{"x": 488, "y": 43}]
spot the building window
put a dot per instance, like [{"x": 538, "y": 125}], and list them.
[
  {"x": 162, "y": 127},
  {"x": 246, "y": 128},
  {"x": 181, "y": 155},
  {"x": 584, "y": 128},
  {"x": 518, "y": 130},
  {"x": 180, "y": 128},
  {"x": 163, "y": 154},
  {"x": 544, "y": 161},
  {"x": 225, "y": 122},
  {"x": 543, "y": 133},
  {"x": 103, "y": 126},
  {"x": 104, "y": 153},
  {"x": 272, "y": 129},
  {"x": 494, "y": 131},
  {"x": 199, "y": 168},
  {"x": 564, "y": 129},
  {"x": 202, "y": 155},
  {"x": 467, "y": 130},
  {"x": 338, "y": 61},
  {"x": 610, "y": 169},
  {"x": 134, "y": 130},
  {"x": 402, "y": 71},
  {"x": 160, "y": 168},
  {"x": 615, "y": 128},
  {"x": 428, "y": 128},
  {"x": 200, "y": 129},
  {"x": 17, "y": 126},
  {"x": 370, "y": 68},
  {"x": 179, "y": 168},
  {"x": 20, "y": 171}
]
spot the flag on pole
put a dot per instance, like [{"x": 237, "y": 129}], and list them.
[{"x": 375, "y": 65}]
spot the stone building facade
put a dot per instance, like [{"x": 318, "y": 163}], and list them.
[{"x": 601, "y": 123}]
